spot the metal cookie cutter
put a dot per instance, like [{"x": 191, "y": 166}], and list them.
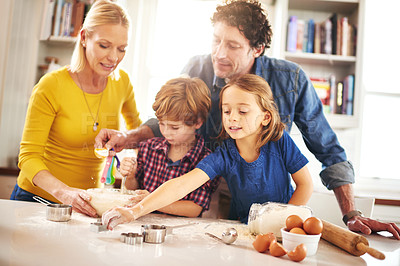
[
  {"x": 98, "y": 226},
  {"x": 131, "y": 238}
]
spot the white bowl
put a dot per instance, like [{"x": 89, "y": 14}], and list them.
[
  {"x": 270, "y": 217},
  {"x": 104, "y": 199},
  {"x": 291, "y": 240}
]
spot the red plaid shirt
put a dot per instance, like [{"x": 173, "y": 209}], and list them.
[{"x": 154, "y": 168}]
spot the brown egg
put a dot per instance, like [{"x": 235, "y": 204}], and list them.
[
  {"x": 313, "y": 226},
  {"x": 293, "y": 221},
  {"x": 262, "y": 242},
  {"x": 298, "y": 253},
  {"x": 276, "y": 249},
  {"x": 297, "y": 230}
]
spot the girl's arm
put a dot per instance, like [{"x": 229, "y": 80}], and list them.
[
  {"x": 167, "y": 193},
  {"x": 304, "y": 187}
]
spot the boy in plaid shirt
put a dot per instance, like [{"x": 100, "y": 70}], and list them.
[{"x": 180, "y": 149}]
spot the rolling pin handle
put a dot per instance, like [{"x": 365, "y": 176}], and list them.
[{"x": 371, "y": 251}]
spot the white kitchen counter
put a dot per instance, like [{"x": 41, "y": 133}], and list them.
[{"x": 27, "y": 238}]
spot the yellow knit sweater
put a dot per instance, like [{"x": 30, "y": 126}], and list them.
[{"x": 58, "y": 135}]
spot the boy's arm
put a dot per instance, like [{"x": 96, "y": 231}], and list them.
[
  {"x": 167, "y": 193},
  {"x": 128, "y": 168},
  {"x": 304, "y": 187},
  {"x": 182, "y": 208}
]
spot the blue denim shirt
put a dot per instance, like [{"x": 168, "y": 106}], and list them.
[{"x": 297, "y": 102}]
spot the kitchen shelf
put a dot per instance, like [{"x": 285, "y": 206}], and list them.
[
  {"x": 318, "y": 65},
  {"x": 311, "y": 58}
]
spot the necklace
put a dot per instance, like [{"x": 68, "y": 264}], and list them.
[{"x": 95, "y": 120}]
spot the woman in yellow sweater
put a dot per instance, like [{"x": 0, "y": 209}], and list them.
[{"x": 68, "y": 107}]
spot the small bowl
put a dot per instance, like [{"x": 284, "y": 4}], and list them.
[
  {"x": 58, "y": 212},
  {"x": 154, "y": 234},
  {"x": 291, "y": 240}
]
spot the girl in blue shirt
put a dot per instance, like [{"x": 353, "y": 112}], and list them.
[{"x": 256, "y": 161}]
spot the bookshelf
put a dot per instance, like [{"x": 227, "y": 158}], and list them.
[
  {"x": 322, "y": 65},
  {"x": 61, "y": 21}
]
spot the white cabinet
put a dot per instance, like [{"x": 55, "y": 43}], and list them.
[{"x": 319, "y": 64}]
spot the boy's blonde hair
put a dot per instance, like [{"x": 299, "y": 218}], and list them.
[
  {"x": 102, "y": 12},
  {"x": 183, "y": 99},
  {"x": 260, "y": 88}
]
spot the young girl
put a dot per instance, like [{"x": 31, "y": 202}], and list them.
[{"x": 255, "y": 161}]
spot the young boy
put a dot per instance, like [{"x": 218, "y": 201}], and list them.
[{"x": 180, "y": 148}]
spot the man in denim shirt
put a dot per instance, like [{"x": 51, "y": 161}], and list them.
[{"x": 241, "y": 35}]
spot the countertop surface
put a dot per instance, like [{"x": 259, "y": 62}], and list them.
[{"x": 27, "y": 238}]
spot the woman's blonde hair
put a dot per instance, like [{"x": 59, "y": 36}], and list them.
[
  {"x": 183, "y": 99},
  {"x": 102, "y": 12},
  {"x": 260, "y": 88}
]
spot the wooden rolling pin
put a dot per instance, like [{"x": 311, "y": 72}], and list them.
[{"x": 351, "y": 242}]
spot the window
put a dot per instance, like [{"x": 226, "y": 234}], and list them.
[{"x": 167, "y": 33}]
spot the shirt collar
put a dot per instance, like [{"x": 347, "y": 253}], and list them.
[{"x": 192, "y": 155}]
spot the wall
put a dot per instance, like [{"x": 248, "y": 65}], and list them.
[{"x": 19, "y": 49}]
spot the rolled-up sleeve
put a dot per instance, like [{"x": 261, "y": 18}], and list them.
[{"x": 338, "y": 175}]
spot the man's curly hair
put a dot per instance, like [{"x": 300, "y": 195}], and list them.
[{"x": 249, "y": 17}]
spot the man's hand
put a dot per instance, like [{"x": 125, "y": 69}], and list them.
[
  {"x": 367, "y": 226},
  {"x": 110, "y": 138}
]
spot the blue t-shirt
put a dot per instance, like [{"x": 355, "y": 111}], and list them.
[{"x": 265, "y": 179}]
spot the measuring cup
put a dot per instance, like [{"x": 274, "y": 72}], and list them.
[
  {"x": 156, "y": 233},
  {"x": 56, "y": 212}
]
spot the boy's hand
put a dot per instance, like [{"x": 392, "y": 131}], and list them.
[
  {"x": 140, "y": 194},
  {"x": 128, "y": 167}
]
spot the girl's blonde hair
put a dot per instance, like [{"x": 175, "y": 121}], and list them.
[
  {"x": 183, "y": 99},
  {"x": 260, "y": 88},
  {"x": 102, "y": 12}
]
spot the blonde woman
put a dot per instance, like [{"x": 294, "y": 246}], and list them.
[{"x": 69, "y": 106}]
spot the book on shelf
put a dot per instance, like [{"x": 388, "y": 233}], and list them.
[
  {"x": 47, "y": 19},
  {"x": 334, "y": 35},
  {"x": 78, "y": 12},
  {"x": 291, "y": 44},
  {"x": 326, "y": 37},
  {"x": 332, "y": 94},
  {"x": 345, "y": 36},
  {"x": 339, "y": 97},
  {"x": 348, "y": 95},
  {"x": 57, "y": 17},
  {"x": 322, "y": 88},
  {"x": 63, "y": 18},
  {"x": 310, "y": 36},
  {"x": 317, "y": 38},
  {"x": 300, "y": 35},
  {"x": 333, "y": 20}
]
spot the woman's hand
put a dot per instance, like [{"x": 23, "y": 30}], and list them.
[
  {"x": 116, "y": 216},
  {"x": 79, "y": 200}
]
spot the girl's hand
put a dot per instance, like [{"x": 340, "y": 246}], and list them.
[
  {"x": 140, "y": 194},
  {"x": 116, "y": 216},
  {"x": 128, "y": 167},
  {"x": 79, "y": 200}
]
